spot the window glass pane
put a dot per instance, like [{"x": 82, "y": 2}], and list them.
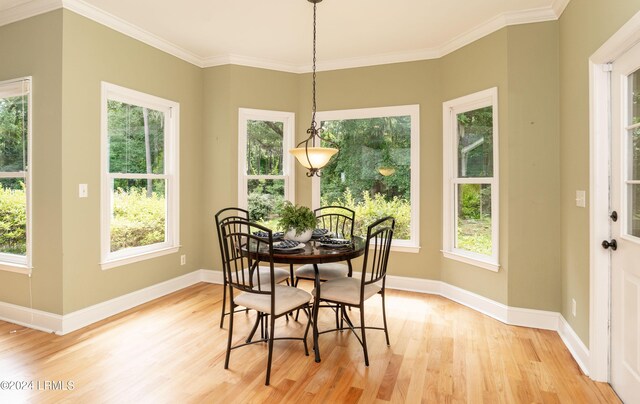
[
  {"x": 475, "y": 143},
  {"x": 13, "y": 216},
  {"x": 139, "y": 213},
  {"x": 371, "y": 173},
  {"x": 13, "y": 133},
  {"x": 474, "y": 218},
  {"x": 633, "y": 212},
  {"x": 136, "y": 139},
  {"x": 265, "y": 201},
  {"x": 264, "y": 147},
  {"x": 634, "y": 95},
  {"x": 634, "y": 154}
]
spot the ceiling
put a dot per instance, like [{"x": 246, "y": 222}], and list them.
[{"x": 277, "y": 34}]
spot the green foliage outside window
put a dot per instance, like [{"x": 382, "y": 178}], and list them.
[
  {"x": 138, "y": 220},
  {"x": 353, "y": 177},
  {"x": 13, "y": 220}
]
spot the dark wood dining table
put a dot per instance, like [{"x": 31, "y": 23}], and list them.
[{"x": 313, "y": 253}]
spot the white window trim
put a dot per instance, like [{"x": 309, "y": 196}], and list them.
[
  {"x": 171, "y": 112},
  {"x": 450, "y": 110},
  {"x": 12, "y": 262},
  {"x": 288, "y": 167},
  {"x": 412, "y": 245}
]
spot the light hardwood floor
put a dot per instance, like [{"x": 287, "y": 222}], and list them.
[{"x": 172, "y": 350}]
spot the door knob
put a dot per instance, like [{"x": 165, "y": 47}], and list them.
[{"x": 613, "y": 244}]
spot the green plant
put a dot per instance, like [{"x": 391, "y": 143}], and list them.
[{"x": 295, "y": 217}]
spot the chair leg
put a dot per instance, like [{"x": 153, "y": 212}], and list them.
[
  {"x": 384, "y": 319},
  {"x": 224, "y": 302},
  {"x": 255, "y": 327},
  {"x": 226, "y": 359},
  {"x": 272, "y": 323},
  {"x": 306, "y": 331},
  {"x": 364, "y": 336}
]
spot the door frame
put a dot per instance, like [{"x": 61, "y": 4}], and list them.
[{"x": 599, "y": 179}]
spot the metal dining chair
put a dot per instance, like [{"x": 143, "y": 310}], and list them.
[
  {"x": 353, "y": 292},
  {"x": 262, "y": 294},
  {"x": 339, "y": 221},
  {"x": 223, "y": 216}
]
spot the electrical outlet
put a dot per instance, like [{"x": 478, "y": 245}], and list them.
[
  {"x": 183, "y": 261},
  {"x": 573, "y": 307},
  {"x": 581, "y": 199}
]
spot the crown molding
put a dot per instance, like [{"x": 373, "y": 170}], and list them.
[
  {"x": 84, "y": 9},
  {"x": 27, "y": 10},
  {"x": 252, "y": 62},
  {"x": 559, "y": 6},
  {"x": 118, "y": 24}
]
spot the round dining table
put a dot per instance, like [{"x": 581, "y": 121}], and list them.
[{"x": 315, "y": 253}]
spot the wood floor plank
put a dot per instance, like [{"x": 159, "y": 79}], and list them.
[{"x": 172, "y": 350}]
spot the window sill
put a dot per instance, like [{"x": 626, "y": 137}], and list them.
[
  {"x": 402, "y": 247},
  {"x": 138, "y": 257},
  {"x": 491, "y": 266},
  {"x": 16, "y": 268}
]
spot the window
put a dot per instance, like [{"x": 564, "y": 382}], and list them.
[
  {"x": 470, "y": 155},
  {"x": 266, "y": 170},
  {"x": 140, "y": 190},
  {"x": 376, "y": 171},
  {"x": 15, "y": 175}
]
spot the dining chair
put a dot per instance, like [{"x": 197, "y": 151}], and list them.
[
  {"x": 339, "y": 221},
  {"x": 353, "y": 292},
  {"x": 243, "y": 254},
  {"x": 229, "y": 214}
]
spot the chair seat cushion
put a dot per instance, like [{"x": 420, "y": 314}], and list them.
[
  {"x": 346, "y": 290},
  {"x": 279, "y": 275},
  {"x": 287, "y": 298},
  {"x": 327, "y": 272}
]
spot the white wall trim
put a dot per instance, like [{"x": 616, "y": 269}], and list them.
[
  {"x": 61, "y": 325},
  {"x": 32, "y": 318},
  {"x": 35, "y": 7},
  {"x": 578, "y": 349},
  {"x": 81, "y": 318},
  {"x": 27, "y": 10},
  {"x": 599, "y": 138},
  {"x": 124, "y": 27}
]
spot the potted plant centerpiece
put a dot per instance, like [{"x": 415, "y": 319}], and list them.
[{"x": 297, "y": 222}]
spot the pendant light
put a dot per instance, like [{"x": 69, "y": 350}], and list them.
[{"x": 306, "y": 152}]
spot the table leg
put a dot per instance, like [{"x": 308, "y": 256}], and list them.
[{"x": 316, "y": 305}]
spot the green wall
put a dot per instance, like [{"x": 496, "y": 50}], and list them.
[
  {"x": 541, "y": 72},
  {"x": 38, "y": 53},
  {"x": 475, "y": 67},
  {"x": 584, "y": 26},
  {"x": 226, "y": 89},
  {"x": 93, "y": 53}
]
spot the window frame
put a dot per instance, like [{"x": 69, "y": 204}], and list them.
[
  {"x": 451, "y": 180},
  {"x": 171, "y": 110},
  {"x": 413, "y": 244},
  {"x": 13, "y": 262},
  {"x": 288, "y": 165}
]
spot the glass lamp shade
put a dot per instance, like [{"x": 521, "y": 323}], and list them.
[
  {"x": 318, "y": 156},
  {"x": 386, "y": 171}
]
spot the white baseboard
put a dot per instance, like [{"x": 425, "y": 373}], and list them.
[
  {"x": 211, "y": 276},
  {"x": 547, "y": 320},
  {"x": 32, "y": 318},
  {"x": 81, "y": 318},
  {"x": 574, "y": 344}
]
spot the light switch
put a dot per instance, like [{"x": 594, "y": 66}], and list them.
[
  {"x": 83, "y": 191},
  {"x": 581, "y": 199}
]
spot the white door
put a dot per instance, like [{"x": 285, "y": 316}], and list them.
[{"x": 625, "y": 200}]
